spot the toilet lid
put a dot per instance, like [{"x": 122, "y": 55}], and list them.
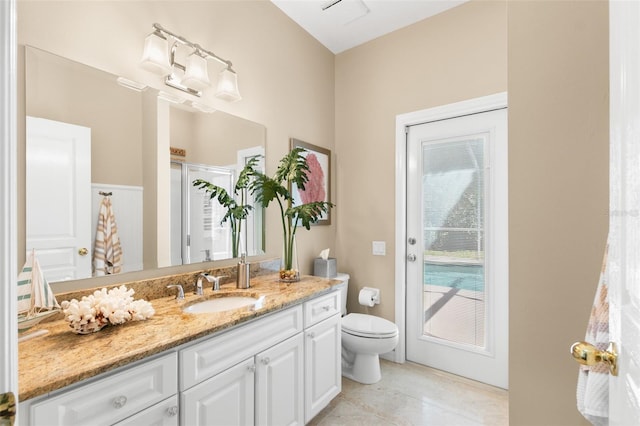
[{"x": 368, "y": 326}]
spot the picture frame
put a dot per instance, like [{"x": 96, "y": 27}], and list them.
[{"x": 319, "y": 186}]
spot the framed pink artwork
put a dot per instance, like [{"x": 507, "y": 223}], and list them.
[{"x": 318, "y": 188}]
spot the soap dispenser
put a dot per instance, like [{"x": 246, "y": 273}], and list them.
[{"x": 242, "y": 274}]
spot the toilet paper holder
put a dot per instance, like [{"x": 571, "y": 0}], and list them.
[{"x": 375, "y": 294}]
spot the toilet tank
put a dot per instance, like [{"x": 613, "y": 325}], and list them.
[{"x": 344, "y": 289}]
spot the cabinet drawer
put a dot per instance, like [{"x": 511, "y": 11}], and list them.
[
  {"x": 321, "y": 308},
  {"x": 164, "y": 413},
  {"x": 114, "y": 398},
  {"x": 208, "y": 358}
]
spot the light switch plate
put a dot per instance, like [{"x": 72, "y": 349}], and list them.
[{"x": 379, "y": 248}]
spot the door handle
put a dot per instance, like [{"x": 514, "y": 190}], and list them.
[
  {"x": 83, "y": 251},
  {"x": 7, "y": 408},
  {"x": 587, "y": 354},
  {"x": 411, "y": 257}
]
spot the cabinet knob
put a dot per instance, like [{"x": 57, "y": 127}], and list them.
[
  {"x": 311, "y": 334},
  {"x": 251, "y": 368},
  {"x": 266, "y": 360},
  {"x": 172, "y": 411},
  {"x": 326, "y": 308},
  {"x": 120, "y": 401}
]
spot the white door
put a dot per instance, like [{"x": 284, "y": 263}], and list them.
[
  {"x": 457, "y": 257},
  {"x": 8, "y": 220},
  {"x": 323, "y": 368},
  {"x": 223, "y": 400},
  {"x": 279, "y": 384},
  {"x": 58, "y": 197},
  {"x": 624, "y": 238}
]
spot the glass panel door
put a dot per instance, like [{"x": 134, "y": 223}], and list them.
[
  {"x": 453, "y": 218},
  {"x": 457, "y": 247}
]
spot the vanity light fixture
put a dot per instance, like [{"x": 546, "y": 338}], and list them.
[
  {"x": 193, "y": 76},
  {"x": 228, "y": 85}
]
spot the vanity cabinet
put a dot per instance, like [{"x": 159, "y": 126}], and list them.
[
  {"x": 114, "y": 398},
  {"x": 265, "y": 389},
  {"x": 264, "y": 384},
  {"x": 281, "y": 368},
  {"x": 323, "y": 353}
]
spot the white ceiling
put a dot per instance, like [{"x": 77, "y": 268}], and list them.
[{"x": 349, "y": 23}]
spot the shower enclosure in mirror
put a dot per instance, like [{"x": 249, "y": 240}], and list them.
[
  {"x": 198, "y": 233},
  {"x": 121, "y": 158}
]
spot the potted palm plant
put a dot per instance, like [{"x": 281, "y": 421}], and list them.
[
  {"x": 292, "y": 169},
  {"x": 237, "y": 209}
]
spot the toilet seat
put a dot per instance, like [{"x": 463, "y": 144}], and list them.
[{"x": 368, "y": 326}]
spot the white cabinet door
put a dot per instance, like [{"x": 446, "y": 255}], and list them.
[
  {"x": 164, "y": 413},
  {"x": 279, "y": 384},
  {"x": 323, "y": 368},
  {"x": 226, "y": 399}
]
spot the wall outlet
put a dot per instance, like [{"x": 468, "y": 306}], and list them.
[{"x": 379, "y": 248}]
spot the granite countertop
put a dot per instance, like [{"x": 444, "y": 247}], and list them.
[{"x": 61, "y": 357}]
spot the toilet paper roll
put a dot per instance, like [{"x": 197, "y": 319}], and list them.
[{"x": 366, "y": 297}]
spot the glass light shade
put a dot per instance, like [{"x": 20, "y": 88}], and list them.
[
  {"x": 196, "y": 75},
  {"x": 228, "y": 86},
  {"x": 155, "y": 57}
]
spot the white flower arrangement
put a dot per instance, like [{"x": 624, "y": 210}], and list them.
[{"x": 94, "y": 312}]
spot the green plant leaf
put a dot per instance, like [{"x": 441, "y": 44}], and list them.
[
  {"x": 308, "y": 213},
  {"x": 293, "y": 168},
  {"x": 266, "y": 189},
  {"x": 215, "y": 191},
  {"x": 247, "y": 173}
]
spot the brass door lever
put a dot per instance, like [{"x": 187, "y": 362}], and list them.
[{"x": 587, "y": 354}]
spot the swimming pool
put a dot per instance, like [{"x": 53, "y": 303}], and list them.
[{"x": 464, "y": 277}]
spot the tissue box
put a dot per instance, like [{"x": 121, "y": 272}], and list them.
[{"x": 325, "y": 268}]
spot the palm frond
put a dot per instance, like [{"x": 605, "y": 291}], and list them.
[
  {"x": 293, "y": 168},
  {"x": 308, "y": 213}
]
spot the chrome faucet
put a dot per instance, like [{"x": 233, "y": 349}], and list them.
[
  {"x": 180, "y": 295},
  {"x": 212, "y": 279},
  {"x": 216, "y": 282},
  {"x": 198, "y": 289}
]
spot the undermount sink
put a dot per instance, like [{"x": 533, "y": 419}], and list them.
[{"x": 222, "y": 303}]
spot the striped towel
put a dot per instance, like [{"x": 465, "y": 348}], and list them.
[
  {"x": 107, "y": 253},
  {"x": 593, "y": 381}
]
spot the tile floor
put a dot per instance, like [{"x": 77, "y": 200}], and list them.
[{"x": 411, "y": 394}]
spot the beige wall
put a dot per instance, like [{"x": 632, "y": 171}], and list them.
[
  {"x": 286, "y": 77},
  {"x": 66, "y": 91},
  {"x": 454, "y": 56},
  {"x": 558, "y": 179}
]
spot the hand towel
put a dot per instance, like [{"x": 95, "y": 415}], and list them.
[
  {"x": 593, "y": 381},
  {"x": 107, "y": 253}
]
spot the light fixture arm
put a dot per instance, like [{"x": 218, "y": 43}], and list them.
[{"x": 203, "y": 52}]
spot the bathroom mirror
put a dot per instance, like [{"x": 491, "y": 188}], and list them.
[{"x": 65, "y": 96}]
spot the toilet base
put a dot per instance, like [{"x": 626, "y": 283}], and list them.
[{"x": 362, "y": 368}]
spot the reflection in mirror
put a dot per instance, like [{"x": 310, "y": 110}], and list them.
[
  {"x": 107, "y": 120},
  {"x": 206, "y": 153}
]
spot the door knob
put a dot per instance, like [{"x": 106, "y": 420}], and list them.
[
  {"x": 587, "y": 354},
  {"x": 411, "y": 257},
  {"x": 83, "y": 251}
]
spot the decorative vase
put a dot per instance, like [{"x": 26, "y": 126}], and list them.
[{"x": 289, "y": 271}]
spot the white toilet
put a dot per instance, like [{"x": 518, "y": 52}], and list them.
[{"x": 364, "y": 337}]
